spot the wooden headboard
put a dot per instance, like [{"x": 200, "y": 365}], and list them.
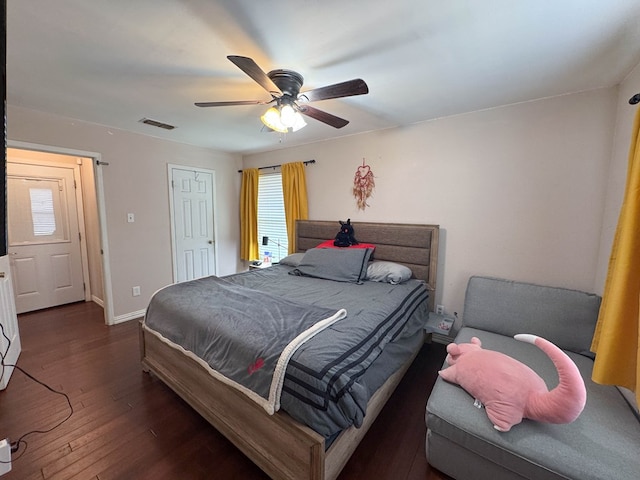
[{"x": 415, "y": 246}]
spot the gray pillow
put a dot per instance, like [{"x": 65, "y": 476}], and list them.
[
  {"x": 341, "y": 265},
  {"x": 390, "y": 272},
  {"x": 292, "y": 260}
]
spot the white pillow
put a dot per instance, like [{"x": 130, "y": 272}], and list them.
[{"x": 390, "y": 272}]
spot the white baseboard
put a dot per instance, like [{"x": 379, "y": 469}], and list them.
[
  {"x": 97, "y": 301},
  {"x": 129, "y": 316}
]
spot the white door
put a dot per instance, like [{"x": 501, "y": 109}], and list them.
[
  {"x": 9, "y": 336},
  {"x": 44, "y": 236},
  {"x": 193, "y": 232}
]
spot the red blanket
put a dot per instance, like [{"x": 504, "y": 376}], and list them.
[{"x": 329, "y": 244}]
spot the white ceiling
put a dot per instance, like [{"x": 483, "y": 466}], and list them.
[{"x": 113, "y": 62}]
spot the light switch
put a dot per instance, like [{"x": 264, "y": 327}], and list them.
[{"x": 130, "y": 218}]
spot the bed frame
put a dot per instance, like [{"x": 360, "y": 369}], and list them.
[{"x": 279, "y": 445}]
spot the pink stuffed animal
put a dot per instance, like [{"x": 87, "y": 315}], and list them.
[{"x": 511, "y": 391}]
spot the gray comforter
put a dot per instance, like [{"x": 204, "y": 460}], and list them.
[
  {"x": 328, "y": 381},
  {"x": 208, "y": 318}
]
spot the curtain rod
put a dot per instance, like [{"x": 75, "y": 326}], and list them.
[
  {"x": 635, "y": 99},
  {"x": 306, "y": 162}
]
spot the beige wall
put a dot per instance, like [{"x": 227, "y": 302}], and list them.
[
  {"x": 529, "y": 191},
  {"x": 135, "y": 181},
  {"x": 617, "y": 172},
  {"x": 518, "y": 191}
]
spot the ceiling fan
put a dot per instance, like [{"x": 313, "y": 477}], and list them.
[{"x": 284, "y": 88}]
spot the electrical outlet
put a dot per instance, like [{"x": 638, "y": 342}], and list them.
[
  {"x": 440, "y": 309},
  {"x": 135, "y": 291},
  {"x": 131, "y": 218},
  {"x": 5, "y": 456}
]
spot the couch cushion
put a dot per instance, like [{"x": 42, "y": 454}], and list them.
[
  {"x": 601, "y": 443},
  {"x": 562, "y": 316}
]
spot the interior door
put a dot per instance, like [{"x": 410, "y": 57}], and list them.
[
  {"x": 44, "y": 236},
  {"x": 9, "y": 337},
  {"x": 192, "y": 222}
]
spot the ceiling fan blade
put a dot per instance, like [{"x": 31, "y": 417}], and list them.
[
  {"x": 228, "y": 104},
  {"x": 338, "y": 90},
  {"x": 251, "y": 68},
  {"x": 324, "y": 117}
]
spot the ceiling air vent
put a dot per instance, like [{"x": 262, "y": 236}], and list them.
[{"x": 158, "y": 124}]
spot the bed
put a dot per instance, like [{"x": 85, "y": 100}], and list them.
[{"x": 283, "y": 447}]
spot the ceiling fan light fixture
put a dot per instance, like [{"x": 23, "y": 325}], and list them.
[
  {"x": 283, "y": 119},
  {"x": 287, "y": 115},
  {"x": 271, "y": 119},
  {"x": 298, "y": 122},
  {"x": 284, "y": 88}
]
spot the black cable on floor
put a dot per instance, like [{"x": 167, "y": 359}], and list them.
[{"x": 15, "y": 446}]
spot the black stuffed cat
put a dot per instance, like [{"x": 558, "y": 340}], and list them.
[{"x": 345, "y": 237}]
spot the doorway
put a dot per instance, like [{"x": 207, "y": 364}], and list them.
[
  {"x": 44, "y": 235},
  {"x": 40, "y": 166},
  {"x": 193, "y": 232}
]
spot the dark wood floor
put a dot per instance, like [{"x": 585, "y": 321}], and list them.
[{"x": 128, "y": 425}]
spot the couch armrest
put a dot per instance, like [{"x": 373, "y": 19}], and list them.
[{"x": 563, "y": 316}]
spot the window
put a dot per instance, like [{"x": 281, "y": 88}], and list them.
[
  {"x": 37, "y": 211},
  {"x": 271, "y": 219},
  {"x": 44, "y": 218}
]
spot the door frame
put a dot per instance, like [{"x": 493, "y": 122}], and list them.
[
  {"x": 102, "y": 217},
  {"x": 174, "y": 253}
]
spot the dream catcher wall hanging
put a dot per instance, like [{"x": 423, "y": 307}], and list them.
[{"x": 363, "y": 185}]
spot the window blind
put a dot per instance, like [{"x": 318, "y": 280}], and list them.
[
  {"x": 271, "y": 219},
  {"x": 42, "y": 211}
]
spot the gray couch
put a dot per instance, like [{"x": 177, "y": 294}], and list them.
[{"x": 603, "y": 443}]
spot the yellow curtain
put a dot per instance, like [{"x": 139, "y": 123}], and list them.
[
  {"x": 294, "y": 189},
  {"x": 249, "y": 214},
  {"x": 615, "y": 341}
]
